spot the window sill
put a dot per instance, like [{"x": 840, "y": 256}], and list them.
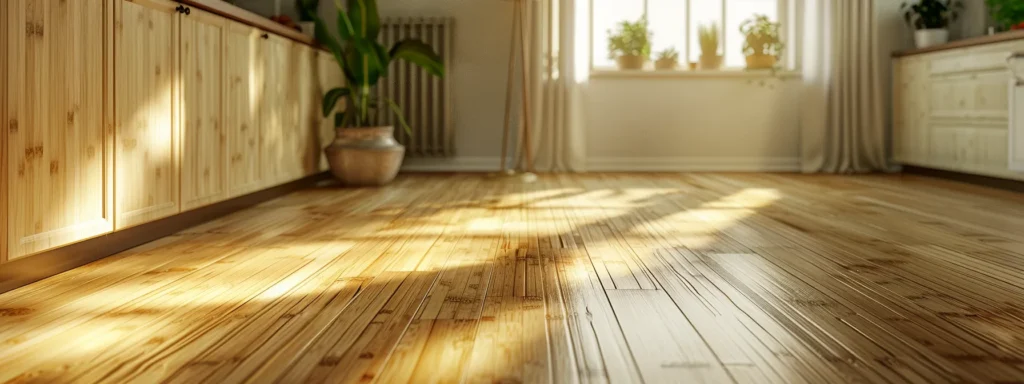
[{"x": 610, "y": 73}]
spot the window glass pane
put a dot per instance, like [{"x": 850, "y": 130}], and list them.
[
  {"x": 608, "y": 13},
  {"x": 736, "y": 12},
  {"x": 703, "y": 12},
  {"x": 668, "y": 24}
]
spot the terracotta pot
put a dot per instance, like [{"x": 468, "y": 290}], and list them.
[
  {"x": 365, "y": 156},
  {"x": 666, "y": 64},
  {"x": 631, "y": 62},
  {"x": 757, "y": 61},
  {"x": 710, "y": 63}
]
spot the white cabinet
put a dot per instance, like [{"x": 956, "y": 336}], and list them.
[{"x": 951, "y": 110}]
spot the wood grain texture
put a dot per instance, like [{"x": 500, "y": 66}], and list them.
[
  {"x": 244, "y": 74},
  {"x": 749, "y": 278},
  {"x": 231, "y": 11},
  {"x": 278, "y": 110},
  {"x": 56, "y": 140},
  {"x": 148, "y": 82},
  {"x": 3, "y": 131},
  {"x": 204, "y": 140}
]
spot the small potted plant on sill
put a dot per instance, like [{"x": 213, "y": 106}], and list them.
[
  {"x": 930, "y": 20},
  {"x": 630, "y": 44},
  {"x": 667, "y": 60},
  {"x": 1008, "y": 14},
  {"x": 364, "y": 152},
  {"x": 762, "y": 44},
  {"x": 708, "y": 36}
]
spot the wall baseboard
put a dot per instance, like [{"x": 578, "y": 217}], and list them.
[
  {"x": 980, "y": 180},
  {"x": 693, "y": 164},
  {"x": 33, "y": 268},
  {"x": 454, "y": 164}
]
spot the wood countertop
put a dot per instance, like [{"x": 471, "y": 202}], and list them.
[
  {"x": 231, "y": 11},
  {"x": 964, "y": 43}
]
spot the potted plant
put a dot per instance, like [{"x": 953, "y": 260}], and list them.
[
  {"x": 1007, "y": 13},
  {"x": 630, "y": 45},
  {"x": 307, "y": 9},
  {"x": 930, "y": 20},
  {"x": 762, "y": 44},
  {"x": 667, "y": 59},
  {"x": 365, "y": 152},
  {"x": 708, "y": 37}
]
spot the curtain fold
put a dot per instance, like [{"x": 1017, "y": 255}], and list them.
[
  {"x": 842, "y": 120},
  {"x": 556, "y": 55}
]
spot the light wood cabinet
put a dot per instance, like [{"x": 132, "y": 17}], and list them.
[
  {"x": 58, "y": 144},
  {"x": 278, "y": 110},
  {"x": 244, "y": 71},
  {"x": 951, "y": 110},
  {"x": 305, "y": 140},
  {"x": 4, "y": 25},
  {"x": 147, "y": 166},
  {"x": 204, "y": 149}
]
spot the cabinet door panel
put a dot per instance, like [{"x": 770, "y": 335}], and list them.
[
  {"x": 277, "y": 111},
  {"x": 243, "y": 85},
  {"x": 204, "y": 142},
  {"x": 57, "y": 142},
  {"x": 147, "y": 141}
]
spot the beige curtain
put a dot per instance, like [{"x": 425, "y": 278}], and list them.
[
  {"x": 842, "y": 122},
  {"x": 556, "y": 62}
]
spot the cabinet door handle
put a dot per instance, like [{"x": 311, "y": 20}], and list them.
[
  {"x": 188, "y": 11},
  {"x": 265, "y": 36},
  {"x": 180, "y": 9}
]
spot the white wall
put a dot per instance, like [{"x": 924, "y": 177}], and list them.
[{"x": 666, "y": 124}]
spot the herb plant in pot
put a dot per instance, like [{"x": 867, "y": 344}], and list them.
[
  {"x": 667, "y": 59},
  {"x": 630, "y": 45},
  {"x": 1007, "y": 13},
  {"x": 762, "y": 44},
  {"x": 708, "y": 36},
  {"x": 365, "y": 152},
  {"x": 930, "y": 20},
  {"x": 307, "y": 9}
]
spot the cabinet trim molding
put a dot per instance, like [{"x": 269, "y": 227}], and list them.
[{"x": 27, "y": 270}]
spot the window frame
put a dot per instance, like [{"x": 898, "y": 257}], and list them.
[{"x": 786, "y": 12}]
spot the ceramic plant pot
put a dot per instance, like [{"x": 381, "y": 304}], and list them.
[
  {"x": 631, "y": 62},
  {"x": 710, "y": 63},
  {"x": 666, "y": 64},
  {"x": 924, "y": 38},
  {"x": 365, "y": 156},
  {"x": 760, "y": 61}
]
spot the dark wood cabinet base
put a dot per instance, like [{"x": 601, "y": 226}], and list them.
[{"x": 30, "y": 269}]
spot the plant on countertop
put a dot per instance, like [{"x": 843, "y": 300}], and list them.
[
  {"x": 364, "y": 61},
  {"x": 708, "y": 36},
  {"x": 307, "y": 9},
  {"x": 931, "y": 14},
  {"x": 630, "y": 39},
  {"x": 669, "y": 53},
  {"x": 1007, "y": 13},
  {"x": 762, "y": 36}
]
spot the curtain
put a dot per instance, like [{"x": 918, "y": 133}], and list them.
[
  {"x": 842, "y": 116},
  {"x": 557, "y": 67}
]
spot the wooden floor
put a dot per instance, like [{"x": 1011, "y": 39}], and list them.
[{"x": 616, "y": 277}]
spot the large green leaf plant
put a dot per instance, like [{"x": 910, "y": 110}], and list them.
[{"x": 364, "y": 61}]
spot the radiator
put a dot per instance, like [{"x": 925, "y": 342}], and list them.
[{"x": 425, "y": 99}]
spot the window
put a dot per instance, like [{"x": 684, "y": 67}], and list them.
[{"x": 674, "y": 23}]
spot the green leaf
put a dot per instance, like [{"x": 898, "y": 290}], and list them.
[
  {"x": 339, "y": 119},
  {"x": 324, "y": 37},
  {"x": 401, "y": 115},
  {"x": 420, "y": 54},
  {"x": 345, "y": 27},
  {"x": 365, "y": 18},
  {"x": 331, "y": 99}
]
